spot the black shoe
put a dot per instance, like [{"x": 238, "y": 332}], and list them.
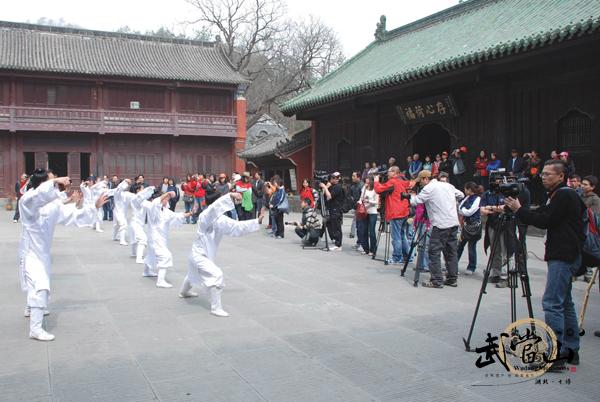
[
  {"x": 558, "y": 367},
  {"x": 575, "y": 360},
  {"x": 597, "y": 333},
  {"x": 450, "y": 282},
  {"x": 495, "y": 279},
  {"x": 432, "y": 285}
]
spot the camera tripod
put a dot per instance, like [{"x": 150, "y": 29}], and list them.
[
  {"x": 325, "y": 216},
  {"x": 384, "y": 229},
  {"x": 421, "y": 234},
  {"x": 507, "y": 226}
]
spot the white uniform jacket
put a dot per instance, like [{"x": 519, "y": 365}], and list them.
[
  {"x": 138, "y": 216},
  {"x": 160, "y": 221},
  {"x": 212, "y": 226},
  {"x": 41, "y": 210}
]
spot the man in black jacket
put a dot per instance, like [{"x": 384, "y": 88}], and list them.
[
  {"x": 562, "y": 217},
  {"x": 355, "y": 191},
  {"x": 334, "y": 198},
  {"x": 515, "y": 164}
]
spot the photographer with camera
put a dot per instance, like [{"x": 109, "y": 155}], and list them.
[
  {"x": 309, "y": 229},
  {"x": 334, "y": 198},
  {"x": 562, "y": 218},
  {"x": 440, "y": 202},
  {"x": 355, "y": 192},
  {"x": 396, "y": 211}
]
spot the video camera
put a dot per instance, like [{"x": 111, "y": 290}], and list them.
[
  {"x": 320, "y": 176},
  {"x": 509, "y": 186}
]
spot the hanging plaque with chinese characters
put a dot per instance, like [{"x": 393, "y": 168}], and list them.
[{"x": 428, "y": 109}]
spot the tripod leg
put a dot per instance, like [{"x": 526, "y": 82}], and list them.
[
  {"x": 388, "y": 239},
  {"x": 484, "y": 282},
  {"x": 586, "y": 297},
  {"x": 381, "y": 229},
  {"x": 418, "y": 271},
  {"x": 521, "y": 265},
  {"x": 511, "y": 272},
  {"x": 415, "y": 242}
]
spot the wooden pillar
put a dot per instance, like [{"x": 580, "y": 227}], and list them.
[
  {"x": 173, "y": 172},
  {"x": 173, "y": 100},
  {"x": 238, "y": 165},
  {"x": 14, "y": 167},
  {"x": 99, "y": 95},
  {"x": 97, "y": 157},
  {"x": 74, "y": 167},
  {"x": 12, "y": 96}
]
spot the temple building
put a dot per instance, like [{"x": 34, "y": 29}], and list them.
[
  {"x": 85, "y": 102},
  {"x": 484, "y": 74}
]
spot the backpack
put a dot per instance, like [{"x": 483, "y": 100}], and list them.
[
  {"x": 590, "y": 255},
  {"x": 348, "y": 203},
  {"x": 590, "y": 252}
]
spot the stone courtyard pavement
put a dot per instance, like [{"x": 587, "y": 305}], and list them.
[{"x": 305, "y": 325}]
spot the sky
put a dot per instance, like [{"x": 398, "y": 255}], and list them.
[{"x": 353, "y": 20}]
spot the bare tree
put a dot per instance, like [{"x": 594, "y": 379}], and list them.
[
  {"x": 301, "y": 54},
  {"x": 201, "y": 34},
  {"x": 55, "y": 23},
  {"x": 246, "y": 27},
  {"x": 280, "y": 56}
]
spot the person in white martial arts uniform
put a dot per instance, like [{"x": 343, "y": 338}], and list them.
[
  {"x": 122, "y": 198},
  {"x": 92, "y": 189},
  {"x": 98, "y": 187},
  {"x": 42, "y": 208},
  {"x": 160, "y": 220},
  {"x": 212, "y": 226},
  {"x": 137, "y": 235}
]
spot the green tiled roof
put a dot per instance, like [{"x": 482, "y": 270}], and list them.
[
  {"x": 469, "y": 33},
  {"x": 28, "y": 47}
]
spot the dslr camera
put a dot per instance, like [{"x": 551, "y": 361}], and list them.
[{"x": 507, "y": 185}]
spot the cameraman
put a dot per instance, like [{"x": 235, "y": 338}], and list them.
[
  {"x": 440, "y": 201},
  {"x": 562, "y": 218},
  {"x": 334, "y": 197},
  {"x": 309, "y": 229},
  {"x": 396, "y": 211}
]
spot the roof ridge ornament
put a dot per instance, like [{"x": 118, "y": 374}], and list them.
[{"x": 381, "y": 31}]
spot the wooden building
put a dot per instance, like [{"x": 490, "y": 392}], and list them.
[
  {"x": 283, "y": 155},
  {"x": 488, "y": 74},
  {"x": 86, "y": 102}
]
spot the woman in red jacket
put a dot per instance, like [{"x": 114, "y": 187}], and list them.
[
  {"x": 307, "y": 192},
  {"x": 480, "y": 176},
  {"x": 189, "y": 187}
]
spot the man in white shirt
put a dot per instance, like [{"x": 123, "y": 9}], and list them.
[{"x": 440, "y": 201}]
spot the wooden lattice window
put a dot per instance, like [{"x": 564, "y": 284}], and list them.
[{"x": 575, "y": 131}]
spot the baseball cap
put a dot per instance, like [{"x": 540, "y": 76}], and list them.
[
  {"x": 445, "y": 153},
  {"x": 336, "y": 174},
  {"x": 423, "y": 174}
]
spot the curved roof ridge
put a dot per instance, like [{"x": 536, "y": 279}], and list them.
[
  {"x": 479, "y": 30},
  {"x": 105, "y": 34},
  {"x": 440, "y": 16}
]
